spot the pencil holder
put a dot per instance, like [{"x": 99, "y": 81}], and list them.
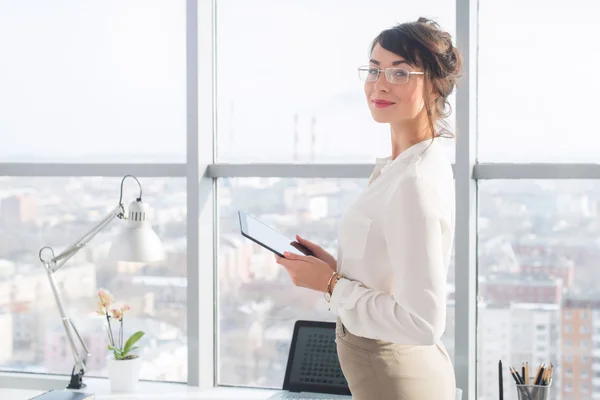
[{"x": 533, "y": 392}]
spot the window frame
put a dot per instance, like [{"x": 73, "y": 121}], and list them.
[{"x": 201, "y": 174}]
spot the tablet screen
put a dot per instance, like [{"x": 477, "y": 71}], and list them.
[{"x": 268, "y": 237}]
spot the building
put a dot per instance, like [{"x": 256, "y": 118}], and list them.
[
  {"x": 493, "y": 344},
  {"x": 516, "y": 333},
  {"x": 581, "y": 349},
  {"x": 549, "y": 265},
  {"x": 508, "y": 288},
  {"x": 18, "y": 210},
  {"x": 32, "y": 307}
]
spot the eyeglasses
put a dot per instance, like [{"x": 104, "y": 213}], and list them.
[{"x": 393, "y": 75}]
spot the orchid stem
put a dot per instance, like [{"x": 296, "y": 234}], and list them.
[{"x": 110, "y": 334}]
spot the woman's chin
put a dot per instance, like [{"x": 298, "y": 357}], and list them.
[{"x": 379, "y": 117}]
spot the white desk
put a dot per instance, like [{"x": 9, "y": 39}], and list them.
[
  {"x": 15, "y": 386},
  {"x": 210, "y": 394}
]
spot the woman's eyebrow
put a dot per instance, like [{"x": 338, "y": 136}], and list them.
[{"x": 398, "y": 62}]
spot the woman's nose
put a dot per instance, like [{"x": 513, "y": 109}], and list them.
[{"x": 381, "y": 84}]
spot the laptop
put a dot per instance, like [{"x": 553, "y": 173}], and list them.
[{"x": 313, "y": 370}]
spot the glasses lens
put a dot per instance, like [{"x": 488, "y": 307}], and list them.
[
  {"x": 368, "y": 74},
  {"x": 397, "y": 75}
]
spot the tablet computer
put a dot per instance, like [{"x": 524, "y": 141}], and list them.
[{"x": 269, "y": 238}]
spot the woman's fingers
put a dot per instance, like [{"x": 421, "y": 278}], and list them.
[
  {"x": 310, "y": 245},
  {"x": 297, "y": 257}
]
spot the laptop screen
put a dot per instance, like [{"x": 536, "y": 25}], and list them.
[{"x": 313, "y": 365}]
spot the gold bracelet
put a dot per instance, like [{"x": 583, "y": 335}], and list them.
[
  {"x": 334, "y": 273},
  {"x": 328, "y": 292}
]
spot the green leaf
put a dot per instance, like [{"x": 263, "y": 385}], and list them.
[{"x": 131, "y": 341}]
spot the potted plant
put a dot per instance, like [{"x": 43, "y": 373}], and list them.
[{"x": 123, "y": 365}]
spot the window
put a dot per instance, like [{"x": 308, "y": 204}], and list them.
[
  {"x": 541, "y": 338},
  {"x": 585, "y": 344},
  {"x": 524, "y": 222},
  {"x": 584, "y": 329},
  {"x": 56, "y": 212},
  {"x": 584, "y": 315},
  {"x": 113, "y": 92},
  {"x": 116, "y": 93},
  {"x": 585, "y": 374},
  {"x": 568, "y": 329},
  {"x": 529, "y": 116},
  {"x": 568, "y": 387},
  {"x": 304, "y": 106},
  {"x": 258, "y": 304},
  {"x": 569, "y": 372}
]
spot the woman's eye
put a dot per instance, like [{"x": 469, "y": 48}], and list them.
[{"x": 373, "y": 71}]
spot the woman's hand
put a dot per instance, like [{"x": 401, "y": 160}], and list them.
[
  {"x": 306, "y": 271},
  {"x": 318, "y": 252}
]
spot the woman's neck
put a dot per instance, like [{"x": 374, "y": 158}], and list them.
[{"x": 407, "y": 133}]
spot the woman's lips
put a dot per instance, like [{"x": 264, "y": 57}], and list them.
[{"x": 382, "y": 103}]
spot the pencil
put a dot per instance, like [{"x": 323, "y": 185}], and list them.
[
  {"x": 537, "y": 373},
  {"x": 500, "y": 381},
  {"x": 515, "y": 375},
  {"x": 548, "y": 375},
  {"x": 538, "y": 378},
  {"x": 545, "y": 377},
  {"x": 525, "y": 381},
  {"x": 527, "y": 373}
]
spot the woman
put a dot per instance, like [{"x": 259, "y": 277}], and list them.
[{"x": 389, "y": 287}]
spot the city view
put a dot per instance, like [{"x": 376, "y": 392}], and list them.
[{"x": 538, "y": 277}]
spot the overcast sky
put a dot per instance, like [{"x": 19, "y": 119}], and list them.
[{"x": 106, "y": 80}]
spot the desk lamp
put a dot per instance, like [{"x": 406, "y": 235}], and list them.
[{"x": 136, "y": 243}]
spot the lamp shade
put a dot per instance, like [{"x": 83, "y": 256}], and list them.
[{"x": 137, "y": 242}]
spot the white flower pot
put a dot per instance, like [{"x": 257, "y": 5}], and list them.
[{"x": 124, "y": 374}]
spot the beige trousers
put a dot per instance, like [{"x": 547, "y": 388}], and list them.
[{"x": 377, "y": 370}]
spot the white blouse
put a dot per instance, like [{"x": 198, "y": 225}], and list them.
[{"x": 395, "y": 243}]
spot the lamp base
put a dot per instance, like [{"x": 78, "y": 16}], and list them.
[{"x": 76, "y": 380}]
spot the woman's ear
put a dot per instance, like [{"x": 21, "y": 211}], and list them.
[{"x": 431, "y": 90}]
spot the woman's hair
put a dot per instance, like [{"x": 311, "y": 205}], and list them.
[{"x": 425, "y": 45}]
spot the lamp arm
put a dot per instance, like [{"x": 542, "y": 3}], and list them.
[
  {"x": 56, "y": 262},
  {"x": 52, "y": 265},
  {"x": 118, "y": 211},
  {"x": 71, "y": 331}
]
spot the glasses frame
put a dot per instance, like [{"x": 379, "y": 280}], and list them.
[{"x": 387, "y": 73}]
